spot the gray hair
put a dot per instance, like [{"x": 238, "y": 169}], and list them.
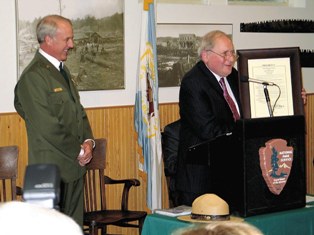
[
  {"x": 209, "y": 39},
  {"x": 48, "y": 26}
]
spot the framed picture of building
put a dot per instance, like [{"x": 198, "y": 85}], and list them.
[
  {"x": 177, "y": 46},
  {"x": 97, "y": 60}
]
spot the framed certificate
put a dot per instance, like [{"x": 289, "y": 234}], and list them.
[{"x": 270, "y": 82}]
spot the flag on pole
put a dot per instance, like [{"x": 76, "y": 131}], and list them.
[{"x": 146, "y": 114}]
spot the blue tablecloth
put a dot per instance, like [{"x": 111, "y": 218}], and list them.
[{"x": 290, "y": 222}]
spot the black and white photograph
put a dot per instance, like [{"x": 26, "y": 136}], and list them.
[
  {"x": 177, "y": 46},
  {"x": 97, "y": 59}
]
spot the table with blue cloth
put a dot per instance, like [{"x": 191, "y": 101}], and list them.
[{"x": 290, "y": 222}]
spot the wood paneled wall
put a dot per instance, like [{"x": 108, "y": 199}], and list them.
[
  {"x": 309, "y": 118},
  {"x": 116, "y": 124}
]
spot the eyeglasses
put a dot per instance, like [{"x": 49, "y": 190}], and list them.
[{"x": 225, "y": 55}]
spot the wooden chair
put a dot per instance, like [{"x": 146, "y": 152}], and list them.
[
  {"x": 96, "y": 214},
  {"x": 8, "y": 173},
  {"x": 170, "y": 146}
]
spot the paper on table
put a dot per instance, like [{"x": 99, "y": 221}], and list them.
[
  {"x": 176, "y": 211},
  {"x": 309, "y": 200}
]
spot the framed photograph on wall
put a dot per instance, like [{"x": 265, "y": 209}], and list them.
[
  {"x": 177, "y": 46},
  {"x": 97, "y": 60},
  {"x": 271, "y": 82}
]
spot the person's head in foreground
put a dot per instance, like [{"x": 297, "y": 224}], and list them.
[
  {"x": 221, "y": 228},
  {"x": 17, "y": 218}
]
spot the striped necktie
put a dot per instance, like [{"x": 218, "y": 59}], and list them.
[{"x": 229, "y": 100}]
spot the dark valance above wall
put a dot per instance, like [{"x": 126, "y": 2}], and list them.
[
  {"x": 284, "y": 26},
  {"x": 279, "y": 26}
]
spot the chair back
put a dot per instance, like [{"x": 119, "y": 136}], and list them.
[
  {"x": 170, "y": 146},
  {"x": 8, "y": 172},
  {"x": 94, "y": 187}
]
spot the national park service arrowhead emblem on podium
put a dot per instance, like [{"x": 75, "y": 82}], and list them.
[{"x": 276, "y": 162}]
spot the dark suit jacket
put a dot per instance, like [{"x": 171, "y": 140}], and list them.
[
  {"x": 204, "y": 115},
  {"x": 55, "y": 120}
]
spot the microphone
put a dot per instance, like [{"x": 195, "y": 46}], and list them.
[
  {"x": 270, "y": 109},
  {"x": 247, "y": 79}
]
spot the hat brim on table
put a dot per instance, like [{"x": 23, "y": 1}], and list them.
[{"x": 187, "y": 218}]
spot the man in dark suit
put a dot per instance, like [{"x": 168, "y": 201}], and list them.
[
  {"x": 57, "y": 126},
  {"x": 204, "y": 111}
]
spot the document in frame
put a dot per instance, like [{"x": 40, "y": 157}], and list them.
[{"x": 272, "y": 70}]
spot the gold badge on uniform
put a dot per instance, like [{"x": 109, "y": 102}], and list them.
[{"x": 57, "y": 89}]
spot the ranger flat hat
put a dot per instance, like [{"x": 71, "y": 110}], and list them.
[{"x": 209, "y": 207}]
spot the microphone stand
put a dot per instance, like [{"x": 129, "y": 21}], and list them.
[{"x": 268, "y": 100}]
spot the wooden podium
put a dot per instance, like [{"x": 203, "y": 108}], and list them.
[{"x": 239, "y": 174}]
